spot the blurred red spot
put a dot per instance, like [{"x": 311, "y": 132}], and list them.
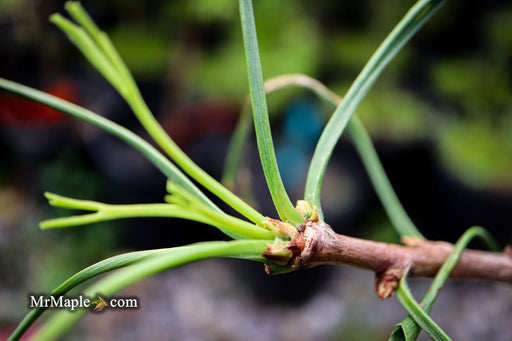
[
  {"x": 199, "y": 119},
  {"x": 16, "y": 110}
]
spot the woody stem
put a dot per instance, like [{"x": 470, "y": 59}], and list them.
[{"x": 319, "y": 244}]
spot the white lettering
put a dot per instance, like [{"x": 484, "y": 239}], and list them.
[
  {"x": 77, "y": 302},
  {"x": 74, "y": 304},
  {"x": 34, "y": 303},
  {"x": 55, "y": 303},
  {"x": 131, "y": 303}
]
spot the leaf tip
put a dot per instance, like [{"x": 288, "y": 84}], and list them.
[
  {"x": 56, "y": 18},
  {"x": 71, "y": 6},
  {"x": 46, "y": 224},
  {"x": 52, "y": 198},
  {"x": 398, "y": 334}
]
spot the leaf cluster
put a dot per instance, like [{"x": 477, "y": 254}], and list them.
[{"x": 252, "y": 234}]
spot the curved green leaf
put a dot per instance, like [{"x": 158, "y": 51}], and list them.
[
  {"x": 160, "y": 161},
  {"x": 419, "y": 315},
  {"x": 101, "y": 40},
  {"x": 196, "y": 211},
  {"x": 401, "y": 221},
  {"x": 123, "y": 278},
  {"x": 237, "y": 145},
  {"x": 405, "y": 29},
  {"x": 100, "y": 52},
  {"x": 394, "y": 209},
  {"x": 285, "y": 208},
  {"x": 94, "y": 270},
  {"x": 408, "y": 329}
]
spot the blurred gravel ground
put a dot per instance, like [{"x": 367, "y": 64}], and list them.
[{"x": 208, "y": 301}]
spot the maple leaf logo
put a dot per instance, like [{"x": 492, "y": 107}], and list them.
[{"x": 100, "y": 304}]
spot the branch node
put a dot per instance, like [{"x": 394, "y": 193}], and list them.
[
  {"x": 278, "y": 252},
  {"x": 387, "y": 281},
  {"x": 412, "y": 241},
  {"x": 280, "y": 228},
  {"x": 308, "y": 213}
]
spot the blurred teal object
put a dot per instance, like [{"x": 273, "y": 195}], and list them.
[{"x": 303, "y": 123}]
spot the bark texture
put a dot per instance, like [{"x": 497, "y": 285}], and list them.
[{"x": 318, "y": 244}]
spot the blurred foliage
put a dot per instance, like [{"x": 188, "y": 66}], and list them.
[
  {"x": 6, "y": 5},
  {"x": 87, "y": 244},
  {"x": 146, "y": 54},
  {"x": 450, "y": 88},
  {"x": 479, "y": 151},
  {"x": 451, "y": 82},
  {"x": 378, "y": 227},
  {"x": 219, "y": 68},
  {"x": 474, "y": 86},
  {"x": 396, "y": 114}
]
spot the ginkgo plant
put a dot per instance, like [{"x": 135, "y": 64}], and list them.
[{"x": 300, "y": 238}]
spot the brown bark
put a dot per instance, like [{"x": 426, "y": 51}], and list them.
[{"x": 318, "y": 244}]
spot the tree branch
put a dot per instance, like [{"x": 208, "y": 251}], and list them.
[{"x": 318, "y": 244}]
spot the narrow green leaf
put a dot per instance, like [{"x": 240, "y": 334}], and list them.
[
  {"x": 237, "y": 146},
  {"x": 405, "y": 29},
  {"x": 419, "y": 315},
  {"x": 101, "y": 53},
  {"x": 160, "y": 161},
  {"x": 123, "y": 278},
  {"x": 196, "y": 211},
  {"x": 394, "y": 209},
  {"x": 282, "y": 202},
  {"x": 227, "y": 223},
  {"x": 408, "y": 328},
  {"x": 94, "y": 270},
  {"x": 79, "y": 14},
  {"x": 79, "y": 37},
  {"x": 401, "y": 221},
  {"x": 405, "y": 330}
]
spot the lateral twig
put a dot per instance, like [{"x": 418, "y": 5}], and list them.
[{"x": 318, "y": 244}]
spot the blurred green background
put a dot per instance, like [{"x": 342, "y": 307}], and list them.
[{"x": 440, "y": 115}]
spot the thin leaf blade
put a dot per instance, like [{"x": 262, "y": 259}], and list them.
[
  {"x": 421, "y": 317},
  {"x": 101, "y": 53},
  {"x": 282, "y": 202},
  {"x": 192, "y": 209},
  {"x": 405, "y": 29},
  {"x": 394, "y": 209},
  {"x": 123, "y": 278},
  {"x": 151, "y": 153},
  {"x": 94, "y": 270},
  {"x": 408, "y": 328}
]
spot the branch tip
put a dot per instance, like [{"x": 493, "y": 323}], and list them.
[{"x": 306, "y": 211}]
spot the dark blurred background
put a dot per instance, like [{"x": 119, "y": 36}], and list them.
[{"x": 440, "y": 117}]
